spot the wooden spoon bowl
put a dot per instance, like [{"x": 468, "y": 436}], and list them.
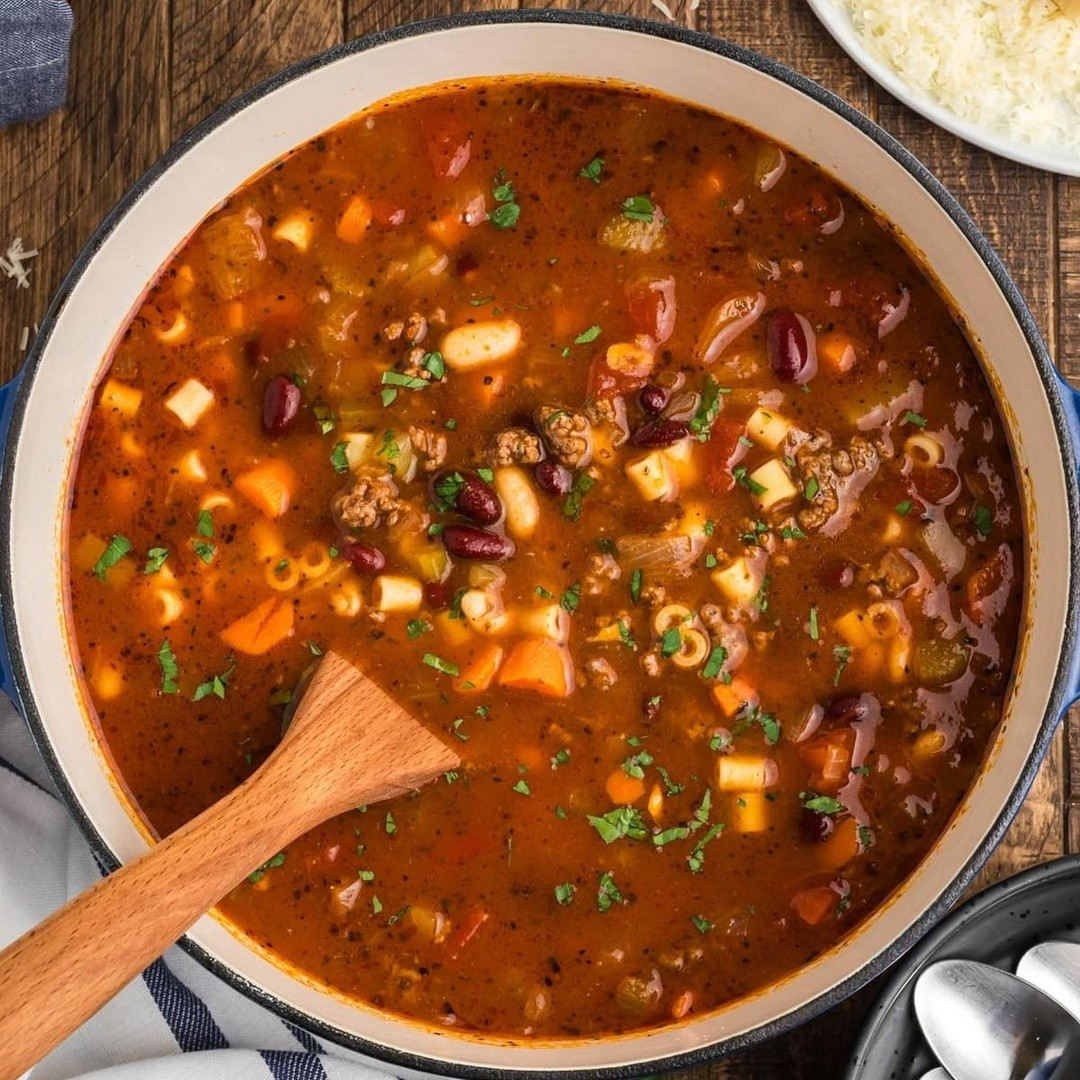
[{"x": 348, "y": 744}]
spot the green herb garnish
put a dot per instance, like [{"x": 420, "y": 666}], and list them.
[{"x": 114, "y": 551}]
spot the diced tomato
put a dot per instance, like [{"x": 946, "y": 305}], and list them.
[
  {"x": 934, "y": 485},
  {"x": 815, "y": 210},
  {"x": 651, "y": 304},
  {"x": 449, "y": 146},
  {"x": 389, "y": 213},
  {"x": 897, "y": 491},
  {"x": 605, "y": 382},
  {"x": 830, "y": 757},
  {"x": 988, "y": 588},
  {"x": 722, "y": 452},
  {"x": 466, "y": 932},
  {"x": 815, "y": 905}
]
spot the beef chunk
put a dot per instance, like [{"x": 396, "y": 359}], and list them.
[
  {"x": 567, "y": 433},
  {"x": 368, "y": 501},
  {"x": 895, "y": 573},
  {"x": 840, "y": 475},
  {"x": 430, "y": 447},
  {"x": 515, "y": 446}
]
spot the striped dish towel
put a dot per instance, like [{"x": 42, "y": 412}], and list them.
[
  {"x": 176, "y": 1021},
  {"x": 34, "y": 36}
]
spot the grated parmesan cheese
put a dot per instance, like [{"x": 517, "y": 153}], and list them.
[
  {"x": 1010, "y": 65},
  {"x": 14, "y": 263}
]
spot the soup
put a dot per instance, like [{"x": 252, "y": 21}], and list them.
[{"x": 641, "y": 463}]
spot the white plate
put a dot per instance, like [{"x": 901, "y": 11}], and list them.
[{"x": 838, "y": 22}]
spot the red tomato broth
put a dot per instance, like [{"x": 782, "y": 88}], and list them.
[{"x": 491, "y": 902}]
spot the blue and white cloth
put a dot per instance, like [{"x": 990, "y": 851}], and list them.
[
  {"x": 176, "y": 1021},
  {"x": 34, "y": 36}
]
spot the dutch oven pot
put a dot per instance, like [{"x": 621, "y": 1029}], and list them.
[{"x": 43, "y": 413}]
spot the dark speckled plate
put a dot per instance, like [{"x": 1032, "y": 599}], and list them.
[{"x": 997, "y": 927}]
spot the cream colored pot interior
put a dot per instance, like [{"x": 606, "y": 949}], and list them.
[{"x": 245, "y": 142}]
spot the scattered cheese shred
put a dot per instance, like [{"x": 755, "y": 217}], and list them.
[
  {"x": 1010, "y": 65},
  {"x": 14, "y": 263}
]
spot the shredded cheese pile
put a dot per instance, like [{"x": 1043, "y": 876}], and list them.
[
  {"x": 1010, "y": 65},
  {"x": 14, "y": 263}
]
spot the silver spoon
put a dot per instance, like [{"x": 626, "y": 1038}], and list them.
[
  {"x": 1054, "y": 967},
  {"x": 985, "y": 1024}
]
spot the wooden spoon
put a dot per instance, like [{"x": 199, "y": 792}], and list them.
[{"x": 348, "y": 744}]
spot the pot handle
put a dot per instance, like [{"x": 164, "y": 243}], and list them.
[
  {"x": 8, "y": 394},
  {"x": 1070, "y": 399}
]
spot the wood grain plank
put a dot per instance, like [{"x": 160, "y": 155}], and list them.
[
  {"x": 367, "y": 16},
  {"x": 222, "y": 47},
  {"x": 1068, "y": 295},
  {"x": 60, "y": 176},
  {"x": 786, "y": 30}
]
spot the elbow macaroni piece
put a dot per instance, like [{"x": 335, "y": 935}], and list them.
[
  {"x": 190, "y": 402},
  {"x": 177, "y": 333},
  {"x": 924, "y": 449},
  {"x": 767, "y": 428},
  {"x": 654, "y": 477},
  {"x": 295, "y": 230},
  {"x": 740, "y": 581},
  {"x": 396, "y": 592},
  {"x": 345, "y": 600},
  {"x": 121, "y": 397},
  {"x": 775, "y": 484},
  {"x": 283, "y": 574},
  {"x": 745, "y": 772}
]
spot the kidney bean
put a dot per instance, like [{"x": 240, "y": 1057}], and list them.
[
  {"x": 814, "y": 827},
  {"x": 365, "y": 558},
  {"x": 438, "y": 594},
  {"x": 659, "y": 433},
  {"x": 474, "y": 497},
  {"x": 846, "y": 707},
  {"x": 553, "y": 478},
  {"x": 789, "y": 352},
  {"x": 281, "y": 405},
  {"x": 470, "y": 542},
  {"x": 653, "y": 398}
]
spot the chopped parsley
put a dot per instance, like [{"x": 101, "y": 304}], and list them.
[
  {"x": 522, "y": 787},
  {"x": 670, "y": 642},
  {"x": 866, "y": 837},
  {"x": 205, "y": 525},
  {"x": 624, "y": 821},
  {"x": 376, "y": 906},
  {"x": 447, "y": 489},
  {"x": 216, "y": 684},
  {"x": 506, "y": 214},
  {"x": 904, "y": 507},
  {"x": 451, "y": 424},
  {"x": 389, "y": 450},
  {"x": 821, "y": 804},
  {"x": 543, "y": 593},
  {"x": 792, "y": 532},
  {"x": 761, "y": 600},
  {"x": 592, "y": 170},
  {"x": 589, "y": 335},
  {"x": 984, "y": 521},
  {"x": 339, "y": 458},
  {"x": 707, "y": 410},
  {"x": 814, "y": 630},
  {"x": 842, "y": 655},
  {"x": 204, "y": 550},
  {"x": 703, "y": 924},
  {"x": 564, "y": 893},
  {"x": 391, "y": 824},
  {"x": 714, "y": 666},
  {"x": 710, "y": 561},
  {"x": 709, "y": 527},
  {"x": 456, "y": 728},
  {"x": 439, "y": 664},
  {"x": 811, "y": 488},
  {"x": 271, "y": 864},
  {"x": 635, "y": 765},
  {"x": 608, "y": 893},
  {"x": 744, "y": 479},
  {"x": 635, "y": 585},
  {"x": 155, "y": 560},
  {"x": 571, "y": 597},
  {"x": 415, "y": 627},
  {"x": 114, "y": 551},
  {"x": 673, "y": 787},
  {"x": 583, "y": 484},
  {"x": 749, "y": 715},
  {"x": 915, "y": 418},
  {"x": 324, "y": 418},
  {"x": 561, "y": 757},
  {"x": 625, "y": 636},
  {"x": 169, "y": 670},
  {"x": 638, "y": 208}
]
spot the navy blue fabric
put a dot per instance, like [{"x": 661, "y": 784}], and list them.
[
  {"x": 188, "y": 1018},
  {"x": 34, "y": 37},
  {"x": 284, "y": 1065},
  {"x": 305, "y": 1039}
]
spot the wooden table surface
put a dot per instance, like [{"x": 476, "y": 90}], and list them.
[{"x": 143, "y": 72}]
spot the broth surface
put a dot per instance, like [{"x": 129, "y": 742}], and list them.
[{"x": 726, "y": 659}]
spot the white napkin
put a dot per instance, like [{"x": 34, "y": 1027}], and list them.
[{"x": 174, "y": 1022}]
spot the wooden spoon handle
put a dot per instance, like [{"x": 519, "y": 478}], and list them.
[{"x": 62, "y": 971}]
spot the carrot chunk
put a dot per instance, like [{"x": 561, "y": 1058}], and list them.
[
  {"x": 841, "y": 847},
  {"x": 539, "y": 664},
  {"x": 731, "y": 697},
  {"x": 355, "y": 220},
  {"x": 478, "y": 674},
  {"x": 622, "y": 789},
  {"x": 814, "y": 905},
  {"x": 269, "y": 486},
  {"x": 260, "y": 630},
  {"x": 830, "y": 758}
]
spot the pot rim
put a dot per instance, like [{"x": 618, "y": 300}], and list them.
[{"x": 1061, "y": 692}]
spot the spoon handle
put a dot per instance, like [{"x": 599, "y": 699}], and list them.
[{"x": 59, "y": 973}]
